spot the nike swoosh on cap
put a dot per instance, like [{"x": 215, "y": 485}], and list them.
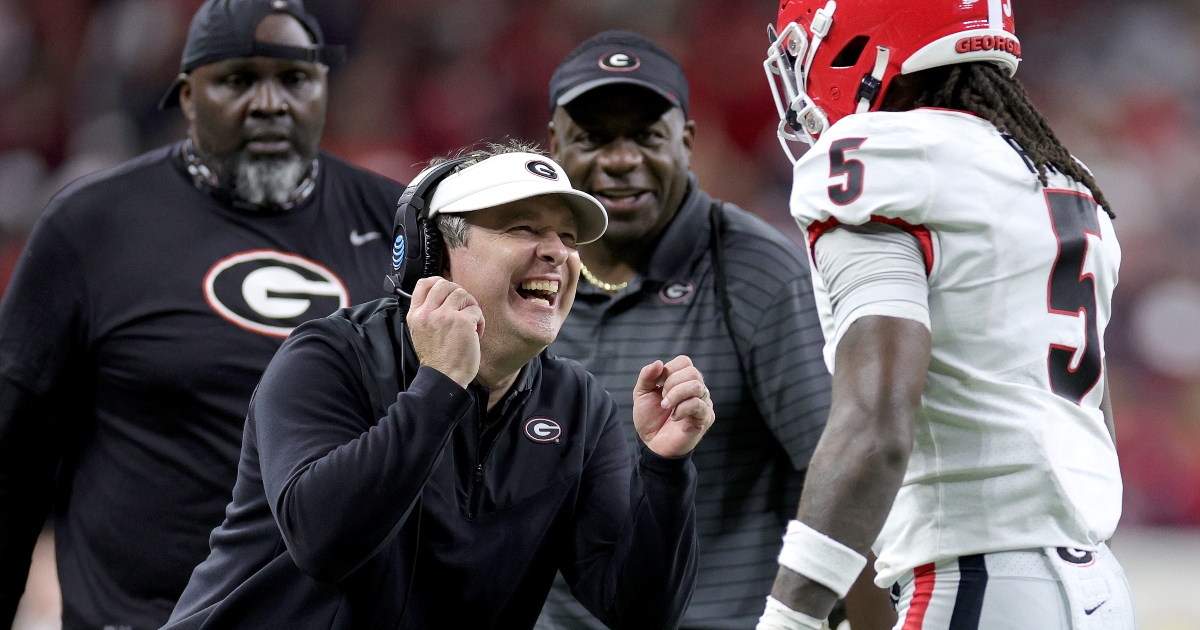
[{"x": 357, "y": 239}]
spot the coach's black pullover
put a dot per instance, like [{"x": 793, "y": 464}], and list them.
[{"x": 367, "y": 481}]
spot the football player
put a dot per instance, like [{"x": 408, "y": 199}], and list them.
[{"x": 964, "y": 264}]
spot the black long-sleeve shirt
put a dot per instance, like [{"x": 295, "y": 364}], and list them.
[
  {"x": 138, "y": 322},
  {"x": 373, "y": 492}
]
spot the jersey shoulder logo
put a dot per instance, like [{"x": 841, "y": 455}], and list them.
[
  {"x": 620, "y": 61},
  {"x": 270, "y": 293},
  {"x": 542, "y": 430}
]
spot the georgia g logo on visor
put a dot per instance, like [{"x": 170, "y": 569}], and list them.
[
  {"x": 270, "y": 293},
  {"x": 620, "y": 62},
  {"x": 542, "y": 430},
  {"x": 541, "y": 169}
]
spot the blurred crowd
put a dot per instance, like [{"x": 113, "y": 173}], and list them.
[{"x": 1119, "y": 79}]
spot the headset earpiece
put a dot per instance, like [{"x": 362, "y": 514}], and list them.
[
  {"x": 416, "y": 241},
  {"x": 433, "y": 249}
]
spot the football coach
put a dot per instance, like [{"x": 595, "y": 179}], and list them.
[{"x": 424, "y": 463}]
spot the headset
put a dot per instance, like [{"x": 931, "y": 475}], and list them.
[
  {"x": 416, "y": 241},
  {"x": 416, "y": 254}
]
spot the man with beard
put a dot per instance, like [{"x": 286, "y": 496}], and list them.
[{"x": 150, "y": 299}]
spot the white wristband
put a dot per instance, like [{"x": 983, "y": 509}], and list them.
[
  {"x": 820, "y": 558},
  {"x": 780, "y": 617}
]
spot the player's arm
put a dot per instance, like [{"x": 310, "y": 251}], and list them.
[
  {"x": 860, "y": 461},
  {"x": 790, "y": 383},
  {"x": 879, "y": 294}
]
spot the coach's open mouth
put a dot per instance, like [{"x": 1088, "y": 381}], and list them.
[{"x": 542, "y": 292}]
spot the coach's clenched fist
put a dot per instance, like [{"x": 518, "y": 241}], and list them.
[
  {"x": 671, "y": 407},
  {"x": 446, "y": 324}
]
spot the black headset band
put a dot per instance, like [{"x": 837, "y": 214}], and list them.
[
  {"x": 417, "y": 193},
  {"x": 410, "y": 235}
]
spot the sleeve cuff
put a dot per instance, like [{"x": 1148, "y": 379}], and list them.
[
  {"x": 432, "y": 384},
  {"x": 664, "y": 466}
]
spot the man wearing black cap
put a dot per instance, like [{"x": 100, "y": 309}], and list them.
[
  {"x": 678, "y": 271},
  {"x": 150, "y": 299}
]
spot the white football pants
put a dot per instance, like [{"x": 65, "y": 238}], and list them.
[{"x": 1044, "y": 589}]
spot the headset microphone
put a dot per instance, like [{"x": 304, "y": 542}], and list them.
[{"x": 416, "y": 241}]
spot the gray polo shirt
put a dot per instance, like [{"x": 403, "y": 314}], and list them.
[{"x": 768, "y": 420}]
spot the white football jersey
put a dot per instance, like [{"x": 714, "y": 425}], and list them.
[{"x": 1010, "y": 446}]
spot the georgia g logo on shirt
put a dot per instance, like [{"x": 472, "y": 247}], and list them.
[
  {"x": 542, "y": 430},
  {"x": 270, "y": 293}
]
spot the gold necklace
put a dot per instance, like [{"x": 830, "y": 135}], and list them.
[{"x": 600, "y": 284}]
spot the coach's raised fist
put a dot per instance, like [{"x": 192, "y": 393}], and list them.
[
  {"x": 671, "y": 406},
  {"x": 446, "y": 324}
]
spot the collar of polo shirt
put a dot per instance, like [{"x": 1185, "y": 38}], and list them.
[{"x": 512, "y": 177}]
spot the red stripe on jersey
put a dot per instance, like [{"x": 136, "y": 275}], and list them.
[
  {"x": 818, "y": 229},
  {"x": 924, "y": 578},
  {"x": 919, "y": 231}
]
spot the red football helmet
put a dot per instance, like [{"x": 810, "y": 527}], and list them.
[{"x": 836, "y": 58}]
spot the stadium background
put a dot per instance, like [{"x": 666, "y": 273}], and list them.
[{"x": 1119, "y": 79}]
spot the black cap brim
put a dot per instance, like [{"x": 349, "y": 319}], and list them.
[
  {"x": 171, "y": 98},
  {"x": 329, "y": 56},
  {"x": 616, "y": 57},
  {"x": 587, "y": 86}
]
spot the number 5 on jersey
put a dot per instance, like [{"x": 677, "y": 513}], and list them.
[
  {"x": 851, "y": 189},
  {"x": 1073, "y": 292}
]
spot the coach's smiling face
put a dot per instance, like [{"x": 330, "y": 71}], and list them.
[
  {"x": 520, "y": 263},
  {"x": 631, "y": 149}
]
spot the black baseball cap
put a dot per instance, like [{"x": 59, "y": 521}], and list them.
[
  {"x": 619, "y": 57},
  {"x": 224, "y": 29}
]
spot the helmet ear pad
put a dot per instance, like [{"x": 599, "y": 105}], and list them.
[{"x": 434, "y": 247}]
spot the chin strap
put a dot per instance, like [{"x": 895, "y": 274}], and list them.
[
  {"x": 821, "y": 23},
  {"x": 791, "y": 57},
  {"x": 869, "y": 90},
  {"x": 813, "y": 120}
]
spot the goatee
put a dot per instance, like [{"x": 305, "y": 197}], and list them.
[{"x": 267, "y": 180}]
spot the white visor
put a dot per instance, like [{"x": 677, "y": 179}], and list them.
[{"x": 511, "y": 177}]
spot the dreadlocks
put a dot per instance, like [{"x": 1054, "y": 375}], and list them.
[{"x": 981, "y": 88}]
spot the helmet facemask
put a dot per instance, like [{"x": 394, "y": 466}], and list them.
[
  {"x": 874, "y": 40},
  {"x": 789, "y": 61}
]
